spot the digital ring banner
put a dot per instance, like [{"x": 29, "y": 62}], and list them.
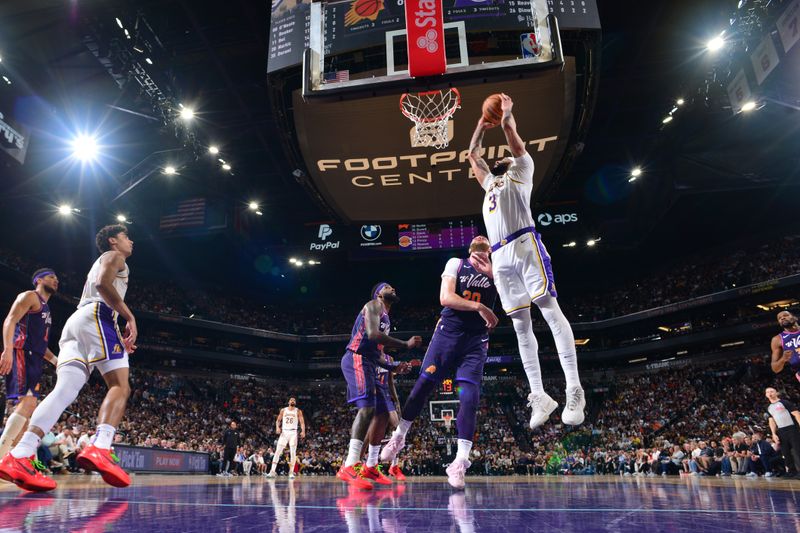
[
  {"x": 155, "y": 460},
  {"x": 360, "y": 154}
]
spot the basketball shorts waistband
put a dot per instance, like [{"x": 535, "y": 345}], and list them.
[{"x": 517, "y": 234}]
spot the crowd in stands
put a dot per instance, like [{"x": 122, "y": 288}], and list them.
[
  {"x": 693, "y": 420},
  {"x": 690, "y": 278}
]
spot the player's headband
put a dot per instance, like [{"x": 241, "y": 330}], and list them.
[
  {"x": 40, "y": 275},
  {"x": 378, "y": 289}
]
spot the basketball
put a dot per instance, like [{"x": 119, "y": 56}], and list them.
[{"x": 492, "y": 111}]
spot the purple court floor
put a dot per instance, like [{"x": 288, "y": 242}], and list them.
[{"x": 508, "y": 505}]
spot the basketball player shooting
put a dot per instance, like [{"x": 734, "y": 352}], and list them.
[
  {"x": 459, "y": 345},
  {"x": 26, "y": 331},
  {"x": 286, "y": 428},
  {"x": 522, "y": 269},
  {"x": 90, "y": 339},
  {"x": 364, "y": 353},
  {"x": 786, "y": 345}
]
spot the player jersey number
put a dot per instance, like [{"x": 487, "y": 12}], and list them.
[
  {"x": 492, "y": 203},
  {"x": 474, "y": 296},
  {"x": 289, "y": 420}
]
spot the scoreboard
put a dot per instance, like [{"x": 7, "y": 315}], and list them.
[
  {"x": 436, "y": 236},
  {"x": 358, "y": 24}
]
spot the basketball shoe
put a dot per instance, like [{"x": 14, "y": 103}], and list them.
[
  {"x": 390, "y": 450},
  {"x": 397, "y": 473},
  {"x": 94, "y": 459},
  {"x": 349, "y": 475},
  {"x": 573, "y": 411},
  {"x": 456, "y": 471},
  {"x": 373, "y": 473},
  {"x": 25, "y": 473},
  {"x": 543, "y": 405}
]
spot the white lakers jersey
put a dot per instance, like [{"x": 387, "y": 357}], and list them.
[
  {"x": 507, "y": 203},
  {"x": 90, "y": 294},
  {"x": 289, "y": 419}
]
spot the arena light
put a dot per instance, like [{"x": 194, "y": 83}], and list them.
[
  {"x": 127, "y": 34},
  {"x": 84, "y": 148},
  {"x": 639, "y": 360},
  {"x": 119, "y": 23},
  {"x": 749, "y": 106},
  {"x": 259, "y": 213},
  {"x": 148, "y": 60},
  {"x": 636, "y": 172},
  {"x": 254, "y": 207},
  {"x": 65, "y": 209},
  {"x": 571, "y": 244},
  {"x": 592, "y": 242},
  {"x": 226, "y": 166},
  {"x": 715, "y": 44},
  {"x": 298, "y": 263},
  {"x": 121, "y": 218},
  {"x": 680, "y": 102},
  {"x": 187, "y": 113},
  {"x": 312, "y": 262},
  {"x": 213, "y": 150},
  {"x": 169, "y": 170},
  {"x": 666, "y": 120},
  {"x": 5, "y": 79}
]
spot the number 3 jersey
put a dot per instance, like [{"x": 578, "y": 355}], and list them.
[
  {"x": 470, "y": 285},
  {"x": 507, "y": 202}
]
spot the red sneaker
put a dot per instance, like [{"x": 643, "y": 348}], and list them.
[
  {"x": 349, "y": 475},
  {"x": 373, "y": 473},
  {"x": 104, "y": 461},
  {"x": 25, "y": 473},
  {"x": 396, "y": 473}
]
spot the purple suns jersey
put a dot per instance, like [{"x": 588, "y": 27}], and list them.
[
  {"x": 33, "y": 330},
  {"x": 383, "y": 374},
  {"x": 791, "y": 342},
  {"x": 470, "y": 285},
  {"x": 360, "y": 343}
]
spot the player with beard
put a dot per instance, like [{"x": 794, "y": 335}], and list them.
[
  {"x": 459, "y": 345},
  {"x": 786, "y": 345},
  {"x": 364, "y": 353},
  {"x": 26, "y": 331},
  {"x": 523, "y": 272},
  {"x": 90, "y": 340}
]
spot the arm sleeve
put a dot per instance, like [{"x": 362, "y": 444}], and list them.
[{"x": 451, "y": 268}]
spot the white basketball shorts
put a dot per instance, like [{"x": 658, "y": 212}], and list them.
[
  {"x": 522, "y": 272},
  {"x": 91, "y": 338}
]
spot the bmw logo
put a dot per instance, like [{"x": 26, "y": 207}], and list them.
[{"x": 370, "y": 232}]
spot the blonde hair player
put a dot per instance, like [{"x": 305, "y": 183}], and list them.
[
  {"x": 286, "y": 427},
  {"x": 521, "y": 265}
]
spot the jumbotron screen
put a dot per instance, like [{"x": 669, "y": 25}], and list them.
[{"x": 436, "y": 236}]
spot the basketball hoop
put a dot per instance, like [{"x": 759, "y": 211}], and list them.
[
  {"x": 430, "y": 111},
  {"x": 448, "y": 422}
]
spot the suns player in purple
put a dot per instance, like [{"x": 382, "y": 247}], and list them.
[
  {"x": 26, "y": 331},
  {"x": 364, "y": 354},
  {"x": 786, "y": 345},
  {"x": 460, "y": 343}
]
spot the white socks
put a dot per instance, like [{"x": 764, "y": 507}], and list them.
[
  {"x": 464, "y": 447},
  {"x": 13, "y": 427},
  {"x": 394, "y": 461},
  {"x": 403, "y": 427},
  {"x": 528, "y": 349},
  {"x": 27, "y": 445},
  {"x": 563, "y": 337},
  {"x": 372, "y": 455},
  {"x": 104, "y": 437},
  {"x": 354, "y": 452}
]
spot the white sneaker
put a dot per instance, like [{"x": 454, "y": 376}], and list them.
[
  {"x": 291, "y": 476},
  {"x": 769, "y": 474},
  {"x": 542, "y": 405},
  {"x": 573, "y": 410},
  {"x": 456, "y": 471},
  {"x": 390, "y": 450},
  {"x": 751, "y": 474},
  {"x": 271, "y": 474}
]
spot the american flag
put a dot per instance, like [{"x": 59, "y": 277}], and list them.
[
  {"x": 336, "y": 76},
  {"x": 189, "y": 213}
]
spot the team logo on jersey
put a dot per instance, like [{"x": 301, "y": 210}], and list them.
[
  {"x": 117, "y": 349},
  {"x": 370, "y": 232},
  {"x": 431, "y": 369}
]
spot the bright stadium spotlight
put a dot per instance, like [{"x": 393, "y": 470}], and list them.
[
  {"x": 213, "y": 150},
  {"x": 148, "y": 60},
  {"x": 748, "y": 106},
  {"x": 298, "y": 263},
  {"x": 591, "y": 242},
  {"x": 121, "y": 218},
  {"x": 666, "y": 120},
  {"x": 253, "y": 206},
  {"x": 169, "y": 170},
  {"x": 715, "y": 44},
  {"x": 571, "y": 244},
  {"x": 680, "y": 101},
  {"x": 293, "y": 260},
  {"x": 226, "y": 166},
  {"x": 65, "y": 209},
  {"x": 312, "y": 262},
  {"x": 187, "y": 113},
  {"x": 84, "y": 148},
  {"x": 636, "y": 172},
  {"x": 119, "y": 23}
]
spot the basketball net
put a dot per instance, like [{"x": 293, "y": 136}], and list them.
[
  {"x": 430, "y": 112},
  {"x": 448, "y": 422}
]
